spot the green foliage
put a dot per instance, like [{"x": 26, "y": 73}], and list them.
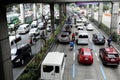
[
  {"x": 114, "y": 36},
  {"x": 105, "y": 7},
  {"x": 30, "y": 75},
  {"x": 104, "y": 28}
]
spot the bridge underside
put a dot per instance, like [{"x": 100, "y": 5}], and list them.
[{"x": 4, "y": 2}]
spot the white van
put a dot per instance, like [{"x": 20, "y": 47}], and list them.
[
  {"x": 23, "y": 28},
  {"x": 52, "y": 67},
  {"x": 82, "y": 37}
]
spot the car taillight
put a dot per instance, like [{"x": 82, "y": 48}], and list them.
[
  {"x": 118, "y": 59},
  {"x": 107, "y": 58},
  {"x": 81, "y": 58},
  {"x": 90, "y": 58}
]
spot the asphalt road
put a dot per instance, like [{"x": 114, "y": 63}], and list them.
[
  {"x": 96, "y": 71},
  {"x": 74, "y": 70}
]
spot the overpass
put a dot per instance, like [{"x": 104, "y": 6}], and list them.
[
  {"x": 3, "y": 2},
  {"x": 5, "y": 57}
]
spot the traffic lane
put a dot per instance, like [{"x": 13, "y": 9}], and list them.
[
  {"x": 76, "y": 71},
  {"x": 69, "y": 62},
  {"x": 60, "y": 47},
  {"x": 87, "y": 72},
  {"x": 109, "y": 73}
]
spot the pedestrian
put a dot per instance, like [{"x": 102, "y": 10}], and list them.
[
  {"x": 73, "y": 36},
  {"x": 109, "y": 40}
]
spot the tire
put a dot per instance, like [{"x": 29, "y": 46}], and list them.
[{"x": 103, "y": 62}]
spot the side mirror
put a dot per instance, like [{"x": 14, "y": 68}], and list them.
[{"x": 65, "y": 55}]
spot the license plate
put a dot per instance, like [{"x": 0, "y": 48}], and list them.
[
  {"x": 112, "y": 59},
  {"x": 86, "y": 58}
]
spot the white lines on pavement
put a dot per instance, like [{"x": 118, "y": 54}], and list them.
[
  {"x": 73, "y": 71},
  {"x": 103, "y": 73},
  {"x": 97, "y": 56},
  {"x": 73, "y": 56}
]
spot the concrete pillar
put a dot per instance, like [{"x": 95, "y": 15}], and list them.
[
  {"x": 5, "y": 57},
  {"x": 87, "y": 9},
  {"x": 64, "y": 9},
  {"x": 22, "y": 13},
  {"x": 52, "y": 17},
  {"x": 40, "y": 9},
  {"x": 92, "y": 11},
  {"x": 100, "y": 13},
  {"x": 34, "y": 11},
  {"x": 114, "y": 17}
]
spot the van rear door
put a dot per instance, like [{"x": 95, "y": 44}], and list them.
[
  {"x": 57, "y": 73},
  {"x": 48, "y": 72}
]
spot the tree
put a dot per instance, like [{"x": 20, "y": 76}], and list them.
[{"x": 105, "y": 7}]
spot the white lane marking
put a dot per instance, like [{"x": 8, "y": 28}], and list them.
[
  {"x": 73, "y": 56},
  {"x": 103, "y": 73},
  {"x": 73, "y": 71},
  {"x": 97, "y": 56}
]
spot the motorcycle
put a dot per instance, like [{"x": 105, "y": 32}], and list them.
[{"x": 71, "y": 48}]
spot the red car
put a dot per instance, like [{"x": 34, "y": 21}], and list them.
[
  {"x": 85, "y": 56},
  {"x": 109, "y": 56}
]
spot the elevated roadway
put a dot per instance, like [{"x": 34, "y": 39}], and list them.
[{"x": 3, "y": 2}]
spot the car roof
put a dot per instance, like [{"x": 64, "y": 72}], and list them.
[
  {"x": 83, "y": 33},
  {"x": 11, "y": 38},
  {"x": 24, "y": 25},
  {"x": 53, "y": 58},
  {"x": 99, "y": 35},
  {"x": 86, "y": 49},
  {"x": 110, "y": 50}
]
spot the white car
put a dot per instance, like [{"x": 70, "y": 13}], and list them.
[
  {"x": 23, "y": 28},
  {"x": 79, "y": 28},
  {"x": 90, "y": 27},
  {"x": 82, "y": 37},
  {"x": 34, "y": 24},
  {"x": 34, "y": 31},
  {"x": 79, "y": 23}
]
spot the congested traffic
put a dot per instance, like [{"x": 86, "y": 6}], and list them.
[{"x": 88, "y": 54}]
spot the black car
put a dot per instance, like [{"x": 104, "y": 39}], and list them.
[
  {"x": 67, "y": 28},
  {"x": 98, "y": 39},
  {"x": 20, "y": 54}
]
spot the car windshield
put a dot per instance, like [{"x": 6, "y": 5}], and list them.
[
  {"x": 79, "y": 21},
  {"x": 32, "y": 30},
  {"x": 100, "y": 37},
  {"x": 113, "y": 55},
  {"x": 64, "y": 34},
  {"x": 83, "y": 36},
  {"x": 87, "y": 53},
  {"x": 20, "y": 28}
]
